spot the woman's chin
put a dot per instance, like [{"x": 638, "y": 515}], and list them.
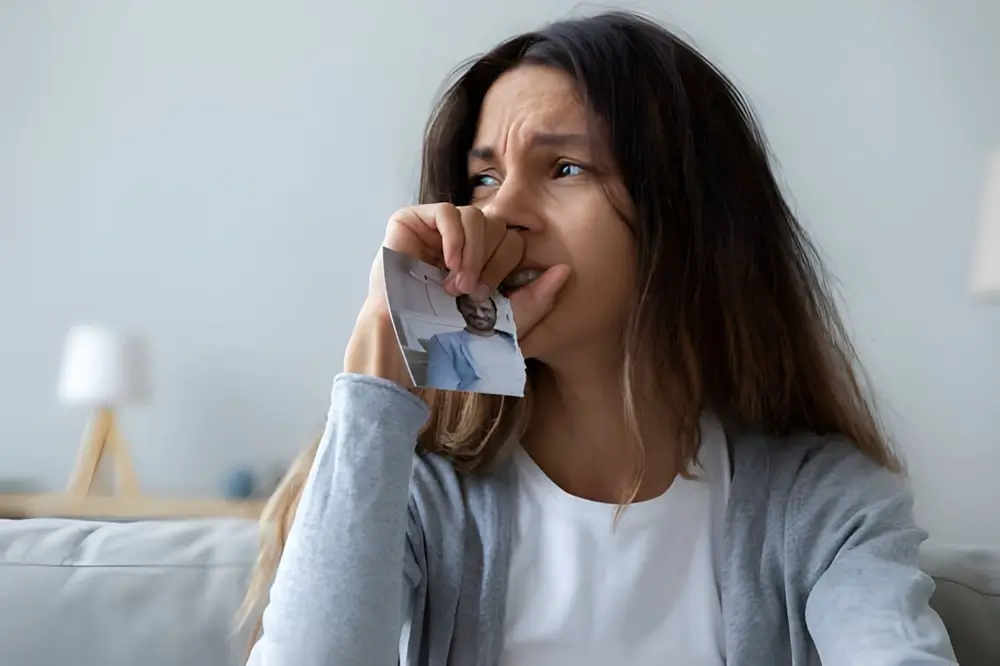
[
  {"x": 536, "y": 346},
  {"x": 549, "y": 340},
  {"x": 527, "y": 347}
]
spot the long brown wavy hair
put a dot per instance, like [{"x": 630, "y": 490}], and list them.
[{"x": 731, "y": 301}]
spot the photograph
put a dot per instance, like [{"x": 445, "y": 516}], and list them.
[{"x": 448, "y": 342}]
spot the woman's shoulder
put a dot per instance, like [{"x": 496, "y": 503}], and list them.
[
  {"x": 819, "y": 494},
  {"x": 820, "y": 466},
  {"x": 835, "y": 529}
]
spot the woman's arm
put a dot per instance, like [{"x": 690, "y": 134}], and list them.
[
  {"x": 340, "y": 587},
  {"x": 868, "y": 600}
]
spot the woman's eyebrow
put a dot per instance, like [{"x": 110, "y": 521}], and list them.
[
  {"x": 484, "y": 153},
  {"x": 549, "y": 139},
  {"x": 559, "y": 140}
]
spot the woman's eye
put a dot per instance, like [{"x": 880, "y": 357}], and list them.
[
  {"x": 484, "y": 180},
  {"x": 569, "y": 169}
]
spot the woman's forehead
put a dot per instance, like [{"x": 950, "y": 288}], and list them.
[{"x": 529, "y": 103}]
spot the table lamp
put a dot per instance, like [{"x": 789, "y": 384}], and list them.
[
  {"x": 102, "y": 370},
  {"x": 986, "y": 265}
]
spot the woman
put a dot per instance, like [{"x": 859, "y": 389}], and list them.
[{"x": 695, "y": 475}]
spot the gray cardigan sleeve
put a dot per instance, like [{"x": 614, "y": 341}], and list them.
[
  {"x": 868, "y": 601},
  {"x": 342, "y": 582}
]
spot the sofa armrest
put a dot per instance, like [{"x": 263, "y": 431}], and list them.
[{"x": 967, "y": 598}]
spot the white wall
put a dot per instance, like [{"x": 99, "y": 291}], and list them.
[{"x": 216, "y": 175}]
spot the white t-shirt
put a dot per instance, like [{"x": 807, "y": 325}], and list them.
[{"x": 584, "y": 592}]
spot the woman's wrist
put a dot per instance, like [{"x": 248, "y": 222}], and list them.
[{"x": 373, "y": 349}]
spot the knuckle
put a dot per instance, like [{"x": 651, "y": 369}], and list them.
[
  {"x": 399, "y": 214},
  {"x": 453, "y": 215},
  {"x": 496, "y": 222},
  {"x": 473, "y": 216},
  {"x": 495, "y": 229}
]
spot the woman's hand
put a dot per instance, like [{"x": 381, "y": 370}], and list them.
[{"x": 478, "y": 253}]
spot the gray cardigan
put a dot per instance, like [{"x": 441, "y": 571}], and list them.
[{"x": 395, "y": 557}]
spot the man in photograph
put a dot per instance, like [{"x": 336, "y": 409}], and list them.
[{"x": 477, "y": 358}]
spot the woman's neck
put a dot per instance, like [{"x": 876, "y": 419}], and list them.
[{"x": 579, "y": 434}]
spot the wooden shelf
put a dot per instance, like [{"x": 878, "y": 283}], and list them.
[{"x": 62, "y": 505}]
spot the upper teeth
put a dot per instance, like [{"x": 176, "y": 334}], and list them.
[{"x": 521, "y": 277}]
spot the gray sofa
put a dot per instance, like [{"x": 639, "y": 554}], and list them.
[{"x": 166, "y": 593}]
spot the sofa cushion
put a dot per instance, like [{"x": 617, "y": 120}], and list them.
[
  {"x": 967, "y": 597},
  {"x": 120, "y": 594},
  {"x": 166, "y": 593}
]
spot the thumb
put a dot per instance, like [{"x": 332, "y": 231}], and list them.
[{"x": 532, "y": 302}]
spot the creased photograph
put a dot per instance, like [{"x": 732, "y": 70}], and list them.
[{"x": 448, "y": 342}]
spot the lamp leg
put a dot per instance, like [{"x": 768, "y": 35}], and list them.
[
  {"x": 126, "y": 478},
  {"x": 90, "y": 454}
]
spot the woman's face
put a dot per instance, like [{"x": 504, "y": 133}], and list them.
[{"x": 536, "y": 164}]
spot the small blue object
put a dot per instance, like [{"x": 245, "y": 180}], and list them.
[{"x": 240, "y": 484}]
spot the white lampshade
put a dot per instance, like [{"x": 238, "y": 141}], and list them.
[
  {"x": 986, "y": 269},
  {"x": 102, "y": 368}
]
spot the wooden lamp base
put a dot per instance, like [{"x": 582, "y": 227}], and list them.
[
  {"x": 121, "y": 499},
  {"x": 103, "y": 438}
]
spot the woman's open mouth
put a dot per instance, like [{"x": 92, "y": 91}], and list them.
[{"x": 519, "y": 278}]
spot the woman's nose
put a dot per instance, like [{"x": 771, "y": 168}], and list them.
[{"x": 514, "y": 203}]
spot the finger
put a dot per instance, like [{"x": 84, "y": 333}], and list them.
[
  {"x": 496, "y": 230},
  {"x": 474, "y": 231},
  {"x": 437, "y": 227},
  {"x": 505, "y": 259},
  {"x": 532, "y": 302},
  {"x": 407, "y": 233},
  {"x": 448, "y": 221}
]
